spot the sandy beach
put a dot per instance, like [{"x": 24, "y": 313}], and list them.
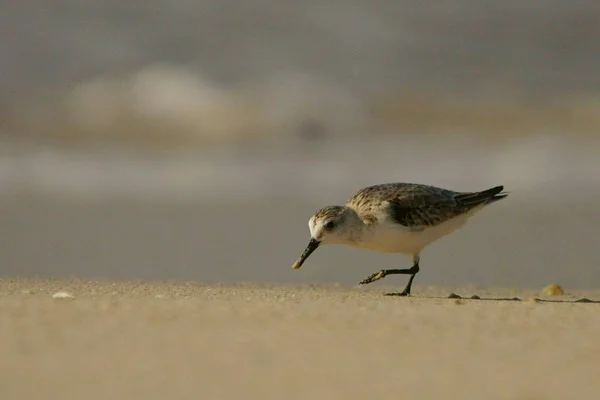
[{"x": 179, "y": 340}]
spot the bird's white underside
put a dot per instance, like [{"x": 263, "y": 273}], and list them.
[{"x": 390, "y": 237}]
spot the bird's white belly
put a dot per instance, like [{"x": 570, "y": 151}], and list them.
[{"x": 393, "y": 238}]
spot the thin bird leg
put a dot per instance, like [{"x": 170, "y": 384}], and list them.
[
  {"x": 406, "y": 291},
  {"x": 384, "y": 272}
]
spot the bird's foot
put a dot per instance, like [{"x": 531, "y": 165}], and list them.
[
  {"x": 373, "y": 277},
  {"x": 404, "y": 293}
]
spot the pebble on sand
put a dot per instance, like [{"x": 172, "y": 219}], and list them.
[
  {"x": 62, "y": 295},
  {"x": 553, "y": 290}
]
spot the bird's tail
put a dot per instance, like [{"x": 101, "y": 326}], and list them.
[{"x": 474, "y": 199}]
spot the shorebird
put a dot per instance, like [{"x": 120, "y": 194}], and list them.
[{"x": 396, "y": 218}]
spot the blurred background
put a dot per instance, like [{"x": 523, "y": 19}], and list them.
[{"x": 194, "y": 139}]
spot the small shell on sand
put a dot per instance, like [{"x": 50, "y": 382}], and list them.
[
  {"x": 553, "y": 290},
  {"x": 62, "y": 295}
]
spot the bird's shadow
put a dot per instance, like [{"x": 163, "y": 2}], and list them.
[{"x": 538, "y": 300}]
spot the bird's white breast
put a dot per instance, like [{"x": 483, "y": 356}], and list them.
[{"x": 389, "y": 237}]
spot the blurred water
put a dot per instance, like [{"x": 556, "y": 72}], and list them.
[
  {"x": 193, "y": 140},
  {"x": 216, "y": 217},
  {"x": 465, "y": 45},
  {"x": 211, "y": 72},
  {"x": 546, "y": 169}
]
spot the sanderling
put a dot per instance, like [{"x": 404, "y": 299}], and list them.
[{"x": 395, "y": 218}]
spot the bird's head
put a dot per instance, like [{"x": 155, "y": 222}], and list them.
[{"x": 329, "y": 225}]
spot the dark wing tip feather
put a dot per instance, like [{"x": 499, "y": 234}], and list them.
[{"x": 473, "y": 199}]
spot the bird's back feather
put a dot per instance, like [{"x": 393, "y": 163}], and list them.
[{"x": 419, "y": 206}]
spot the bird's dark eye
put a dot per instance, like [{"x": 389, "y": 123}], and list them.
[{"x": 329, "y": 225}]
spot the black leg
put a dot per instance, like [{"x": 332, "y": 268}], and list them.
[
  {"x": 385, "y": 272},
  {"x": 406, "y": 291}
]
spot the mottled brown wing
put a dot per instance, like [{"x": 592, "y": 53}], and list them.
[
  {"x": 411, "y": 205},
  {"x": 413, "y": 216},
  {"x": 415, "y": 205},
  {"x": 426, "y": 206},
  {"x": 424, "y": 209}
]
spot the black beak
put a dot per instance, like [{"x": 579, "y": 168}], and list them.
[{"x": 312, "y": 246}]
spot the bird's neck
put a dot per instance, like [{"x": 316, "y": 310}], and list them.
[{"x": 356, "y": 227}]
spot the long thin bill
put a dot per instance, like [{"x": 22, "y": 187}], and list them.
[{"x": 312, "y": 246}]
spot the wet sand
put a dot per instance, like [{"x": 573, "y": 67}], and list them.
[{"x": 179, "y": 340}]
